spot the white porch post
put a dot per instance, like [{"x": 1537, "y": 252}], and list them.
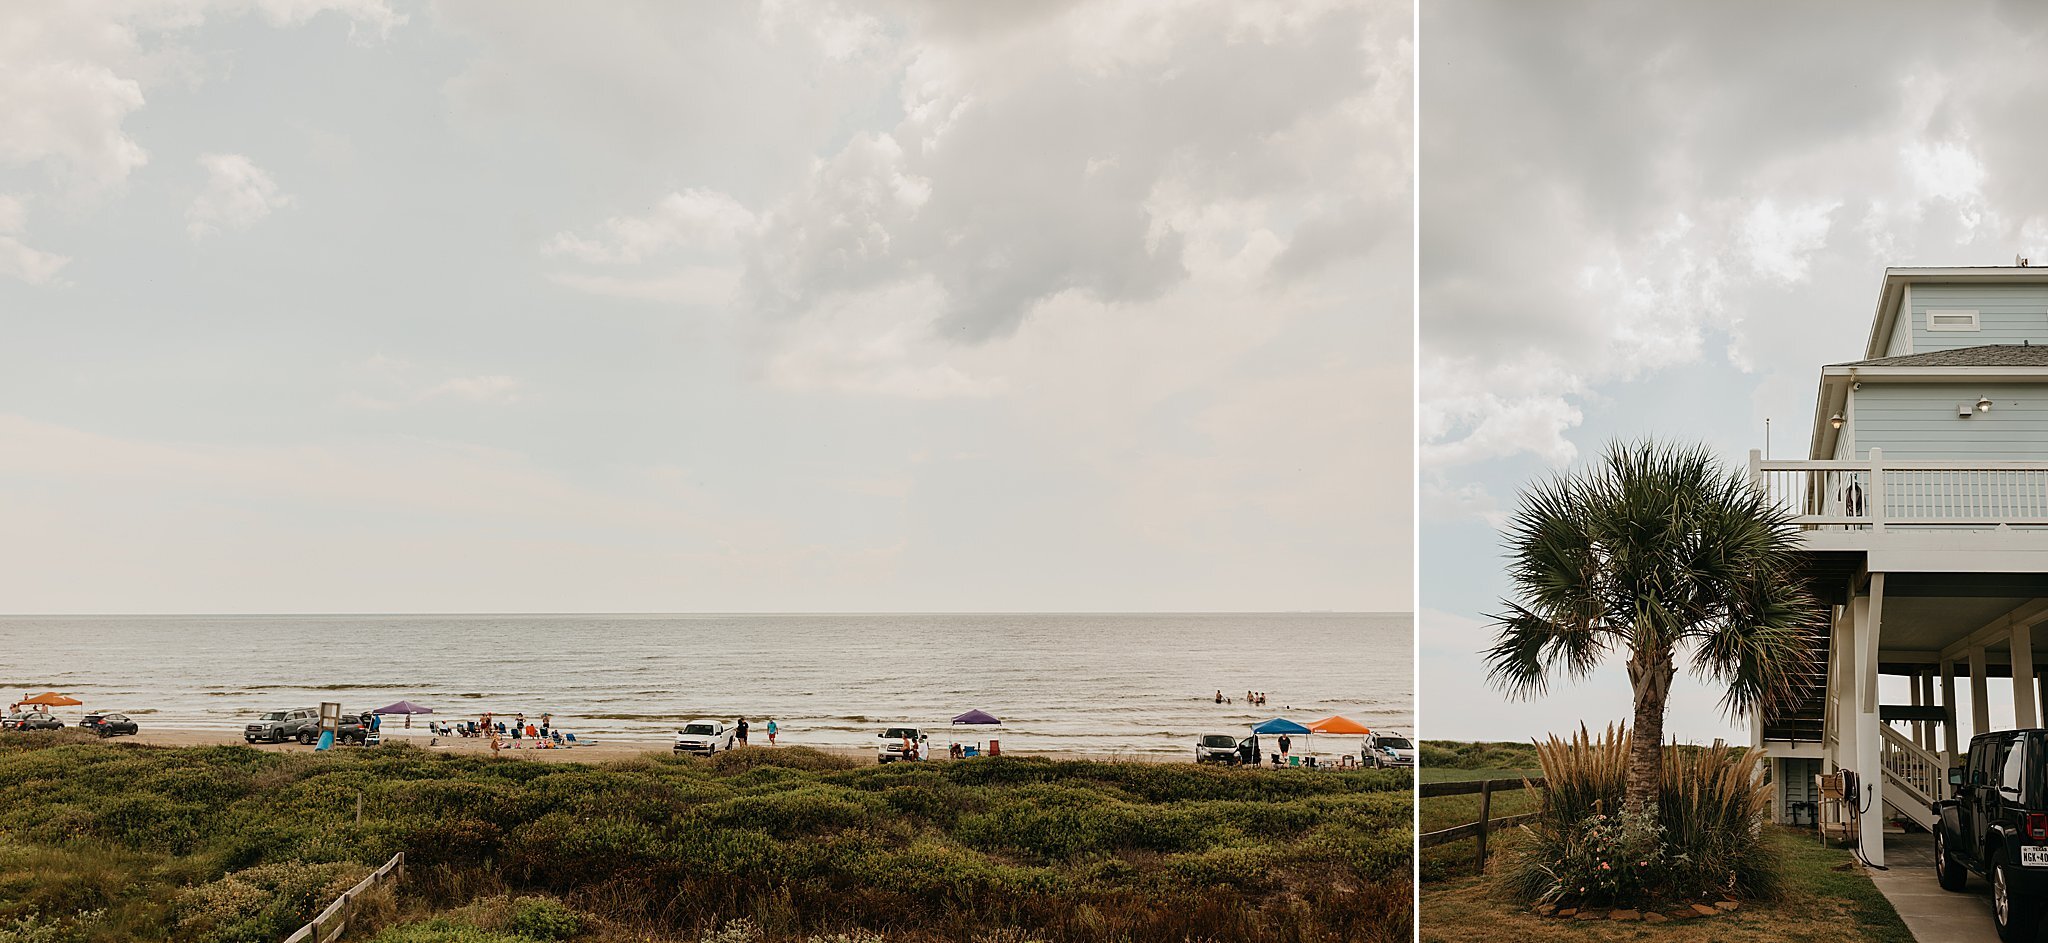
[
  {"x": 1980, "y": 704},
  {"x": 1948, "y": 705},
  {"x": 1869, "y": 615},
  {"x": 2023, "y": 713}
]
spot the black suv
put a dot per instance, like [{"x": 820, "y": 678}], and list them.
[
  {"x": 108, "y": 725},
  {"x": 1997, "y": 826}
]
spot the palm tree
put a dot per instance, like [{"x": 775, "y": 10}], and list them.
[{"x": 1654, "y": 550}]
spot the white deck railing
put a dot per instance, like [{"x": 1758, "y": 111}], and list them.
[{"x": 1872, "y": 494}]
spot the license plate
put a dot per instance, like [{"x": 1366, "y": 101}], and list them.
[{"x": 2034, "y": 856}]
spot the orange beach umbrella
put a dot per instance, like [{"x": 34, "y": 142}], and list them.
[{"x": 1336, "y": 723}]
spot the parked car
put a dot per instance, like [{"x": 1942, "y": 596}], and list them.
[
  {"x": 1217, "y": 748},
  {"x": 899, "y": 743},
  {"x": 31, "y": 720},
  {"x": 109, "y": 725},
  {"x": 302, "y": 724},
  {"x": 704, "y": 737},
  {"x": 1996, "y": 824},
  {"x": 349, "y": 728},
  {"x": 1388, "y": 751}
]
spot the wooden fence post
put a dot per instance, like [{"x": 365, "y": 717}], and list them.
[{"x": 1485, "y": 813}]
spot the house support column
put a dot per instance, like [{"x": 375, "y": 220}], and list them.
[
  {"x": 1948, "y": 706},
  {"x": 1980, "y": 703},
  {"x": 2023, "y": 714},
  {"x": 1919, "y": 727},
  {"x": 1868, "y": 612},
  {"x": 1927, "y": 698}
]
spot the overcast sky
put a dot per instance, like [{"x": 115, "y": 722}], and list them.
[
  {"x": 1662, "y": 219},
  {"x": 343, "y": 305}
]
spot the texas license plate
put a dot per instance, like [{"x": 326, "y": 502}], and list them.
[{"x": 2034, "y": 856}]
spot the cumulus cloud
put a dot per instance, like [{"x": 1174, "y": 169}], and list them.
[
  {"x": 394, "y": 383},
  {"x": 1607, "y": 197},
  {"x": 237, "y": 195},
  {"x": 493, "y": 388},
  {"x": 691, "y": 219},
  {"x": 78, "y": 70},
  {"x": 19, "y": 261},
  {"x": 1087, "y": 151}
]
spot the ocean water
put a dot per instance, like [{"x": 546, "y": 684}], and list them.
[{"x": 1059, "y": 682}]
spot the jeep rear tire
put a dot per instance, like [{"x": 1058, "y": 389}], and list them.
[
  {"x": 2018, "y": 916},
  {"x": 306, "y": 737},
  {"x": 1948, "y": 872}
]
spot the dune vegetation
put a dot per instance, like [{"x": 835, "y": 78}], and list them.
[{"x": 110, "y": 841}]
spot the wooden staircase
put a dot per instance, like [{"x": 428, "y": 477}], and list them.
[
  {"x": 1914, "y": 778},
  {"x": 1806, "y": 721}
]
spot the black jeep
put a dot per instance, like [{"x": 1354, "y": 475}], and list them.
[{"x": 1997, "y": 826}]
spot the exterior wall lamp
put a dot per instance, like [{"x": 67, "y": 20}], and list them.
[
  {"x": 1984, "y": 404},
  {"x": 1835, "y": 420}
]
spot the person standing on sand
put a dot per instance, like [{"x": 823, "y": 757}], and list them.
[
  {"x": 771, "y": 731},
  {"x": 741, "y": 733},
  {"x": 546, "y": 721},
  {"x": 1285, "y": 744}
]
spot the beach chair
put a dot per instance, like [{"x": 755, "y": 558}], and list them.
[
  {"x": 971, "y": 751},
  {"x": 1294, "y": 761},
  {"x": 572, "y": 738}
]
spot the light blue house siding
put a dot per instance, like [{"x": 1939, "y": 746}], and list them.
[
  {"x": 2006, "y": 314},
  {"x": 1918, "y": 422}
]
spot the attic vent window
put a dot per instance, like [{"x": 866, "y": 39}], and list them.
[{"x": 1951, "y": 320}]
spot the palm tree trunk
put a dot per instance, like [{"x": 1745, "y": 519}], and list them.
[{"x": 1651, "y": 674}]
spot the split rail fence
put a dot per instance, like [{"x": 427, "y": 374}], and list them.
[
  {"x": 1477, "y": 830},
  {"x": 333, "y": 921}
]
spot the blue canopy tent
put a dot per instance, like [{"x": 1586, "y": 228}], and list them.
[{"x": 1281, "y": 727}]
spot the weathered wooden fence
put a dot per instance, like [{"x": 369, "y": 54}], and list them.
[
  {"x": 1477, "y": 829},
  {"x": 334, "y": 920}
]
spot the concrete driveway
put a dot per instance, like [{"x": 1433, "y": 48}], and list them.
[{"x": 1934, "y": 915}]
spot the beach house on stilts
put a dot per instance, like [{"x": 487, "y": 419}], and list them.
[{"x": 1923, "y": 512}]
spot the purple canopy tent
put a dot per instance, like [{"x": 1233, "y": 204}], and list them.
[
  {"x": 977, "y": 718},
  {"x": 407, "y": 708}
]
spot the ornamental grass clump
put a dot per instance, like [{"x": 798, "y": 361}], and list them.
[{"x": 1702, "y": 837}]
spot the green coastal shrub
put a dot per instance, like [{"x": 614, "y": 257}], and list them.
[
  {"x": 1704, "y": 836},
  {"x": 541, "y": 918},
  {"x": 231, "y": 843}
]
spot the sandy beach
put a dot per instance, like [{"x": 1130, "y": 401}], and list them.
[{"x": 594, "y": 752}]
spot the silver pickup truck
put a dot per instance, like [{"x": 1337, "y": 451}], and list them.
[{"x": 302, "y": 724}]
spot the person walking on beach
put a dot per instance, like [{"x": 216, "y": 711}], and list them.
[
  {"x": 741, "y": 733},
  {"x": 771, "y": 731}
]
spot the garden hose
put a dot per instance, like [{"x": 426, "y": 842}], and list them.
[{"x": 1869, "y": 789}]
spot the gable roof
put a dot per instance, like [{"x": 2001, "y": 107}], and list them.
[{"x": 1988, "y": 355}]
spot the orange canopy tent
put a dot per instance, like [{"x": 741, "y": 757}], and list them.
[
  {"x": 52, "y": 699},
  {"x": 1339, "y": 724}
]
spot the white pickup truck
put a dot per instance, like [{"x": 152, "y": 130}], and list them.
[
  {"x": 704, "y": 737},
  {"x": 900, "y": 743},
  {"x": 1389, "y": 750}
]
